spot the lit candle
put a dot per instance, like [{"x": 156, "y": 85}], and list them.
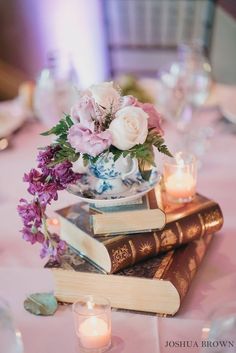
[
  {"x": 94, "y": 333},
  {"x": 180, "y": 178},
  {"x": 180, "y": 185},
  {"x": 92, "y": 316}
]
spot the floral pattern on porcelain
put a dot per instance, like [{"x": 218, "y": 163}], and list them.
[
  {"x": 86, "y": 189},
  {"x": 111, "y": 176}
]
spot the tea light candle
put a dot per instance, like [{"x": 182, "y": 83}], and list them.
[
  {"x": 180, "y": 178},
  {"x": 92, "y": 317},
  {"x": 180, "y": 185},
  {"x": 94, "y": 333}
]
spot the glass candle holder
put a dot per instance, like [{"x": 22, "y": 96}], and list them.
[
  {"x": 10, "y": 338},
  {"x": 92, "y": 317},
  {"x": 180, "y": 177}
]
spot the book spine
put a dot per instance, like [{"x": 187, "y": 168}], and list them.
[
  {"x": 183, "y": 266},
  {"x": 127, "y": 250}
]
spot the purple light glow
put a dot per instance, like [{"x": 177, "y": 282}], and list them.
[{"x": 75, "y": 28}]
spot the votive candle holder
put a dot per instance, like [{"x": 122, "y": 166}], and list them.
[
  {"x": 180, "y": 177},
  {"x": 92, "y": 318}
]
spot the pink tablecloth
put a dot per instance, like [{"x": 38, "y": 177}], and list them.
[{"x": 21, "y": 270}]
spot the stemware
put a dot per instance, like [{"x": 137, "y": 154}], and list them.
[
  {"x": 92, "y": 318},
  {"x": 219, "y": 331},
  {"x": 10, "y": 338},
  {"x": 183, "y": 89},
  {"x": 55, "y": 91}
]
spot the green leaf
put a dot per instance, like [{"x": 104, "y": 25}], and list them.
[
  {"x": 116, "y": 152},
  {"x": 66, "y": 152},
  {"x": 86, "y": 159},
  {"x": 126, "y": 153},
  {"x": 117, "y": 155},
  {"x": 69, "y": 121},
  {"x": 164, "y": 149},
  {"x": 145, "y": 174},
  {"x": 159, "y": 142},
  {"x": 61, "y": 128}
]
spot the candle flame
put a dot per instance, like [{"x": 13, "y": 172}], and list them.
[
  {"x": 179, "y": 159},
  {"x": 205, "y": 329},
  {"x": 90, "y": 305}
]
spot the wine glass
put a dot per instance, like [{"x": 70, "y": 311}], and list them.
[
  {"x": 10, "y": 338},
  {"x": 56, "y": 89},
  {"x": 219, "y": 331},
  {"x": 194, "y": 72},
  {"x": 183, "y": 89}
]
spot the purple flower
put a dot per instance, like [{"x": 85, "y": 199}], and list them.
[
  {"x": 30, "y": 213},
  {"x": 41, "y": 186},
  {"x": 53, "y": 247},
  {"x": 34, "y": 178},
  {"x": 47, "y": 193},
  {"x": 44, "y": 185},
  {"x": 32, "y": 237},
  {"x": 87, "y": 141},
  {"x": 46, "y": 156},
  {"x": 64, "y": 175}
]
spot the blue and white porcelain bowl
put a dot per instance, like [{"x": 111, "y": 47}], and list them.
[
  {"x": 134, "y": 187},
  {"x": 112, "y": 176}
]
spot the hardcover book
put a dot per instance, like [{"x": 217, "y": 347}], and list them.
[
  {"x": 142, "y": 215},
  {"x": 113, "y": 253},
  {"x": 156, "y": 285}
]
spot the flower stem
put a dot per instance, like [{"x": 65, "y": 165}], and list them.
[{"x": 46, "y": 232}]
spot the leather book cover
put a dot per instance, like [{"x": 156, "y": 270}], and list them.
[
  {"x": 172, "y": 270},
  {"x": 188, "y": 222}
]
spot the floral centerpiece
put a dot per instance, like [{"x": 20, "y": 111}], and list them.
[{"x": 101, "y": 122}]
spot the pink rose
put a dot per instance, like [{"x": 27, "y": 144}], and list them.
[
  {"x": 84, "y": 112},
  {"x": 128, "y": 100},
  {"x": 84, "y": 140},
  {"x": 154, "y": 120}
]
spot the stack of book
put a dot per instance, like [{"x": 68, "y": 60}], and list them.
[{"x": 138, "y": 256}]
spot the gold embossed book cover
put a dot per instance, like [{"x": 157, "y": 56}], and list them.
[
  {"x": 156, "y": 285},
  {"x": 113, "y": 253}
]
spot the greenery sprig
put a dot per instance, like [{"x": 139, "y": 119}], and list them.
[{"x": 66, "y": 152}]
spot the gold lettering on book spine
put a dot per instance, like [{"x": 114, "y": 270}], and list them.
[
  {"x": 213, "y": 219},
  {"x": 192, "y": 266},
  {"x": 193, "y": 231},
  {"x": 157, "y": 242},
  {"x": 202, "y": 224},
  {"x": 119, "y": 256},
  {"x": 200, "y": 249},
  {"x": 145, "y": 248},
  {"x": 133, "y": 251},
  {"x": 180, "y": 232},
  {"x": 168, "y": 239},
  {"x": 183, "y": 284},
  {"x": 164, "y": 265}
]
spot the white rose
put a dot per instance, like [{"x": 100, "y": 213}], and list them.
[
  {"x": 105, "y": 95},
  {"x": 129, "y": 128}
]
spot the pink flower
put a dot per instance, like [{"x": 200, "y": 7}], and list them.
[
  {"x": 85, "y": 140},
  {"x": 154, "y": 120},
  {"x": 84, "y": 112},
  {"x": 128, "y": 100}
]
